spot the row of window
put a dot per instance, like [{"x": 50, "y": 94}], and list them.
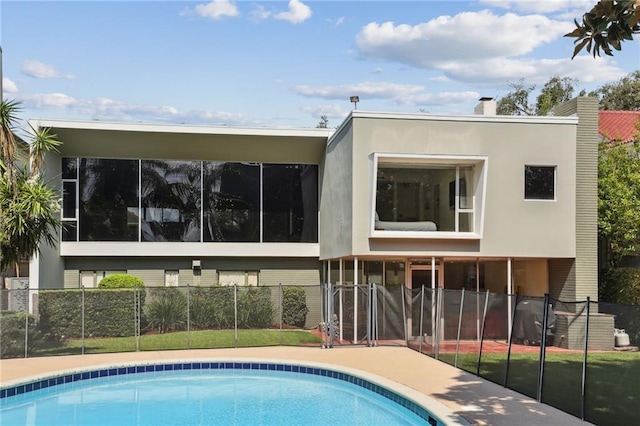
[
  {"x": 91, "y": 279},
  {"x": 191, "y": 201}
]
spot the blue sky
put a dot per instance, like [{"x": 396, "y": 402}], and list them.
[{"x": 284, "y": 63}]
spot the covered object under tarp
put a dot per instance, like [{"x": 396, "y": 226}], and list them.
[{"x": 528, "y": 320}]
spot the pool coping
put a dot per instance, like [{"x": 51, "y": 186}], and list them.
[{"x": 369, "y": 381}]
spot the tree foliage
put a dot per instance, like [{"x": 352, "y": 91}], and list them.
[
  {"x": 323, "y": 123},
  {"x": 619, "y": 200},
  {"x": 28, "y": 206},
  {"x": 623, "y": 95},
  {"x": 606, "y": 26},
  {"x": 554, "y": 92}
]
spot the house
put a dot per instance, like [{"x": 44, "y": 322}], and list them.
[
  {"x": 481, "y": 202},
  {"x": 619, "y": 126}
]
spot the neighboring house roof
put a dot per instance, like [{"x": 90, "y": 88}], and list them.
[{"x": 618, "y": 125}]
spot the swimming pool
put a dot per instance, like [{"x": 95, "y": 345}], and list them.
[{"x": 209, "y": 393}]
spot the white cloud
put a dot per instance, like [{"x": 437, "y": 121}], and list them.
[
  {"x": 9, "y": 86},
  {"x": 110, "y": 109},
  {"x": 37, "y": 69},
  {"x": 541, "y": 6},
  {"x": 401, "y": 94},
  {"x": 466, "y": 37},
  {"x": 298, "y": 12},
  {"x": 217, "y": 9},
  {"x": 377, "y": 70},
  {"x": 332, "y": 111},
  {"x": 534, "y": 71},
  {"x": 336, "y": 22},
  {"x": 260, "y": 13}
]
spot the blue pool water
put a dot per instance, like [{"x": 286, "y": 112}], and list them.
[{"x": 208, "y": 397}]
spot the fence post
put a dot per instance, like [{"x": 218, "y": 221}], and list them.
[
  {"x": 235, "y": 315},
  {"x": 188, "y": 317},
  {"x": 543, "y": 346},
  {"x": 512, "y": 316},
  {"x": 82, "y": 319},
  {"x": 369, "y": 314},
  {"x": 583, "y": 406},
  {"x": 484, "y": 320},
  {"x": 375, "y": 315},
  {"x": 136, "y": 314},
  {"x": 439, "y": 297},
  {"x": 26, "y": 325},
  {"x": 421, "y": 318},
  {"x": 280, "y": 299},
  {"x": 455, "y": 362},
  {"x": 404, "y": 316}
]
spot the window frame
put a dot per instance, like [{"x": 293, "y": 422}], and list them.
[
  {"x": 555, "y": 182},
  {"x": 478, "y": 195}
]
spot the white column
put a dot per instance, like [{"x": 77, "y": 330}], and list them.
[
  {"x": 509, "y": 297},
  {"x": 355, "y": 300}
]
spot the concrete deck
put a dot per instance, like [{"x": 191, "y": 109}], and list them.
[{"x": 477, "y": 400}]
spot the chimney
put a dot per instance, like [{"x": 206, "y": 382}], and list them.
[{"x": 487, "y": 106}]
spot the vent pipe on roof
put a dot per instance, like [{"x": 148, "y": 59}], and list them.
[{"x": 487, "y": 106}]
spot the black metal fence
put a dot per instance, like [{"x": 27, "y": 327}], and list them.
[{"x": 580, "y": 357}]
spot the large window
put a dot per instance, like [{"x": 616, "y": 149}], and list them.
[
  {"x": 422, "y": 194},
  {"x": 231, "y": 201},
  {"x": 190, "y": 201},
  {"x": 290, "y": 194},
  {"x": 539, "y": 182},
  {"x": 170, "y": 200},
  {"x": 108, "y": 200}
]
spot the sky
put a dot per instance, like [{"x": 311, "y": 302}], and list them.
[{"x": 285, "y": 63}]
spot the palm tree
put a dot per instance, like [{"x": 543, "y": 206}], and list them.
[{"x": 29, "y": 208}]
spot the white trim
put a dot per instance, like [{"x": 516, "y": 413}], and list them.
[
  {"x": 191, "y": 249},
  {"x": 469, "y": 117},
  {"x": 189, "y": 129}
]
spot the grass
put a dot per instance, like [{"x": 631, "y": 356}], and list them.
[
  {"x": 612, "y": 381},
  {"x": 201, "y": 339}
]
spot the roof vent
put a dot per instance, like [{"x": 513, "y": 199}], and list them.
[{"x": 487, "y": 106}]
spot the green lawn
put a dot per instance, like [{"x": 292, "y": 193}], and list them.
[
  {"x": 201, "y": 339},
  {"x": 612, "y": 386}
]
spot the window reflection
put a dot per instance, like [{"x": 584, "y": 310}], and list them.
[
  {"x": 231, "y": 203},
  {"x": 108, "y": 189},
  {"x": 170, "y": 200},
  {"x": 290, "y": 197}
]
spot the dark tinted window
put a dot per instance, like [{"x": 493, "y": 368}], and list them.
[
  {"x": 231, "y": 202},
  {"x": 70, "y": 231},
  {"x": 69, "y": 168},
  {"x": 69, "y": 200},
  {"x": 290, "y": 198},
  {"x": 108, "y": 200},
  {"x": 170, "y": 200},
  {"x": 539, "y": 182}
]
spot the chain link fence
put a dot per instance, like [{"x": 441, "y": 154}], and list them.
[{"x": 581, "y": 357}]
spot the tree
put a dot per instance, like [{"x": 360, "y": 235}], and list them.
[
  {"x": 555, "y": 91},
  {"x": 623, "y": 95},
  {"x": 323, "y": 123},
  {"x": 619, "y": 200},
  {"x": 606, "y": 26},
  {"x": 28, "y": 206}
]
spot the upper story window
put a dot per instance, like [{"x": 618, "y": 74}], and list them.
[
  {"x": 208, "y": 201},
  {"x": 427, "y": 196},
  {"x": 539, "y": 182}
]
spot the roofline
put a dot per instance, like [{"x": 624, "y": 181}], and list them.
[
  {"x": 181, "y": 128},
  {"x": 461, "y": 118}
]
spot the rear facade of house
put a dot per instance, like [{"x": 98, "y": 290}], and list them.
[{"x": 480, "y": 202}]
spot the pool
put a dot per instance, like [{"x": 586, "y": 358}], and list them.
[{"x": 208, "y": 393}]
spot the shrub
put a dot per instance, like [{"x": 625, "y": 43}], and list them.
[
  {"x": 107, "y": 312},
  {"x": 121, "y": 281},
  {"x": 294, "y": 306},
  {"x": 211, "y": 307},
  {"x": 254, "y": 307},
  {"x": 12, "y": 335},
  {"x": 620, "y": 285},
  {"x": 166, "y": 310}
]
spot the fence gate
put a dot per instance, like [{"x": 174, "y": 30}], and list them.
[{"x": 349, "y": 314}]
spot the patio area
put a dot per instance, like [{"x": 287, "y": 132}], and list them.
[{"x": 479, "y": 401}]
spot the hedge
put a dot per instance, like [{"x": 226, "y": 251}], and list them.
[
  {"x": 108, "y": 313},
  {"x": 12, "y": 335},
  {"x": 294, "y": 306},
  {"x": 120, "y": 281}
]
